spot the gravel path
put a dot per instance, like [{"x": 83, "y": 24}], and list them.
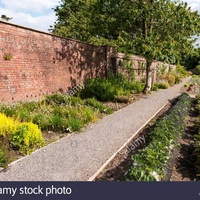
[{"x": 78, "y": 156}]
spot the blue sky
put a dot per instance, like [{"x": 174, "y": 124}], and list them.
[{"x": 38, "y": 14}]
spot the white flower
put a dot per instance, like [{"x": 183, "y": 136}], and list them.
[{"x": 155, "y": 175}]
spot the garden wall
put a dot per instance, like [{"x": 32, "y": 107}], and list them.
[
  {"x": 34, "y": 63},
  {"x": 42, "y": 63},
  {"x": 135, "y": 67}
]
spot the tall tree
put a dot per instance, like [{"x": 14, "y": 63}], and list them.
[
  {"x": 73, "y": 19},
  {"x": 154, "y": 29},
  {"x": 166, "y": 30}
]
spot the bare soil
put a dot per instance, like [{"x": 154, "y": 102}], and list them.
[{"x": 183, "y": 169}]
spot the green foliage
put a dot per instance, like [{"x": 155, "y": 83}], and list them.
[
  {"x": 181, "y": 71},
  {"x": 26, "y": 137},
  {"x": 167, "y": 78},
  {"x": 157, "y": 30},
  {"x": 99, "y": 88},
  {"x": 197, "y": 70},
  {"x": 177, "y": 78},
  {"x": 138, "y": 86},
  {"x": 109, "y": 89},
  {"x": 151, "y": 162},
  {"x": 192, "y": 60},
  {"x": 85, "y": 20},
  {"x": 55, "y": 113},
  {"x": 97, "y": 105},
  {"x": 75, "y": 123},
  {"x": 58, "y": 99},
  {"x": 161, "y": 85}
]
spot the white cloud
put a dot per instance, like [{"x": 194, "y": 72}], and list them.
[
  {"x": 30, "y": 5},
  {"x": 194, "y": 4},
  {"x": 36, "y": 14}
]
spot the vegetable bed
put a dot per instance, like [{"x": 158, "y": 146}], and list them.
[{"x": 150, "y": 164}]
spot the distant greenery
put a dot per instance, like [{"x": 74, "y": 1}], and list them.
[
  {"x": 156, "y": 30},
  {"x": 197, "y": 70},
  {"x": 191, "y": 61}
]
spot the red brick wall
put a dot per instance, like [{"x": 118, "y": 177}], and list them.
[{"x": 43, "y": 63}]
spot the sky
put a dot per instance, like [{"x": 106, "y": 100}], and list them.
[{"x": 38, "y": 14}]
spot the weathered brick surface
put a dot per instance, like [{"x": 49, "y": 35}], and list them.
[{"x": 43, "y": 63}]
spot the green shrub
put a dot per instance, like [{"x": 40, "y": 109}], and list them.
[
  {"x": 109, "y": 89},
  {"x": 9, "y": 110},
  {"x": 99, "y": 88},
  {"x": 138, "y": 86},
  {"x": 97, "y": 105},
  {"x": 7, "y": 124},
  {"x": 181, "y": 71},
  {"x": 41, "y": 120},
  {"x": 75, "y": 124},
  {"x": 24, "y": 115},
  {"x": 58, "y": 99},
  {"x": 197, "y": 70},
  {"x": 161, "y": 85},
  {"x": 26, "y": 137},
  {"x": 73, "y": 101},
  {"x": 177, "y": 78},
  {"x": 89, "y": 116},
  {"x": 170, "y": 79}
]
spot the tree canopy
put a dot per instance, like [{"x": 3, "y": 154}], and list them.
[{"x": 154, "y": 29}]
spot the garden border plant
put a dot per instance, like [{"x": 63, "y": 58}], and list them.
[
  {"x": 21, "y": 123},
  {"x": 150, "y": 163}
]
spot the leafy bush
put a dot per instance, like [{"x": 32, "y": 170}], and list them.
[
  {"x": 197, "y": 70},
  {"x": 7, "y": 125},
  {"x": 99, "y": 88},
  {"x": 109, "y": 89},
  {"x": 177, "y": 78},
  {"x": 26, "y": 137},
  {"x": 168, "y": 78},
  {"x": 58, "y": 99},
  {"x": 75, "y": 124},
  {"x": 181, "y": 71},
  {"x": 151, "y": 162},
  {"x": 160, "y": 85}
]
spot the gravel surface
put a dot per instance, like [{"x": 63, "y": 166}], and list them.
[{"x": 78, "y": 156}]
